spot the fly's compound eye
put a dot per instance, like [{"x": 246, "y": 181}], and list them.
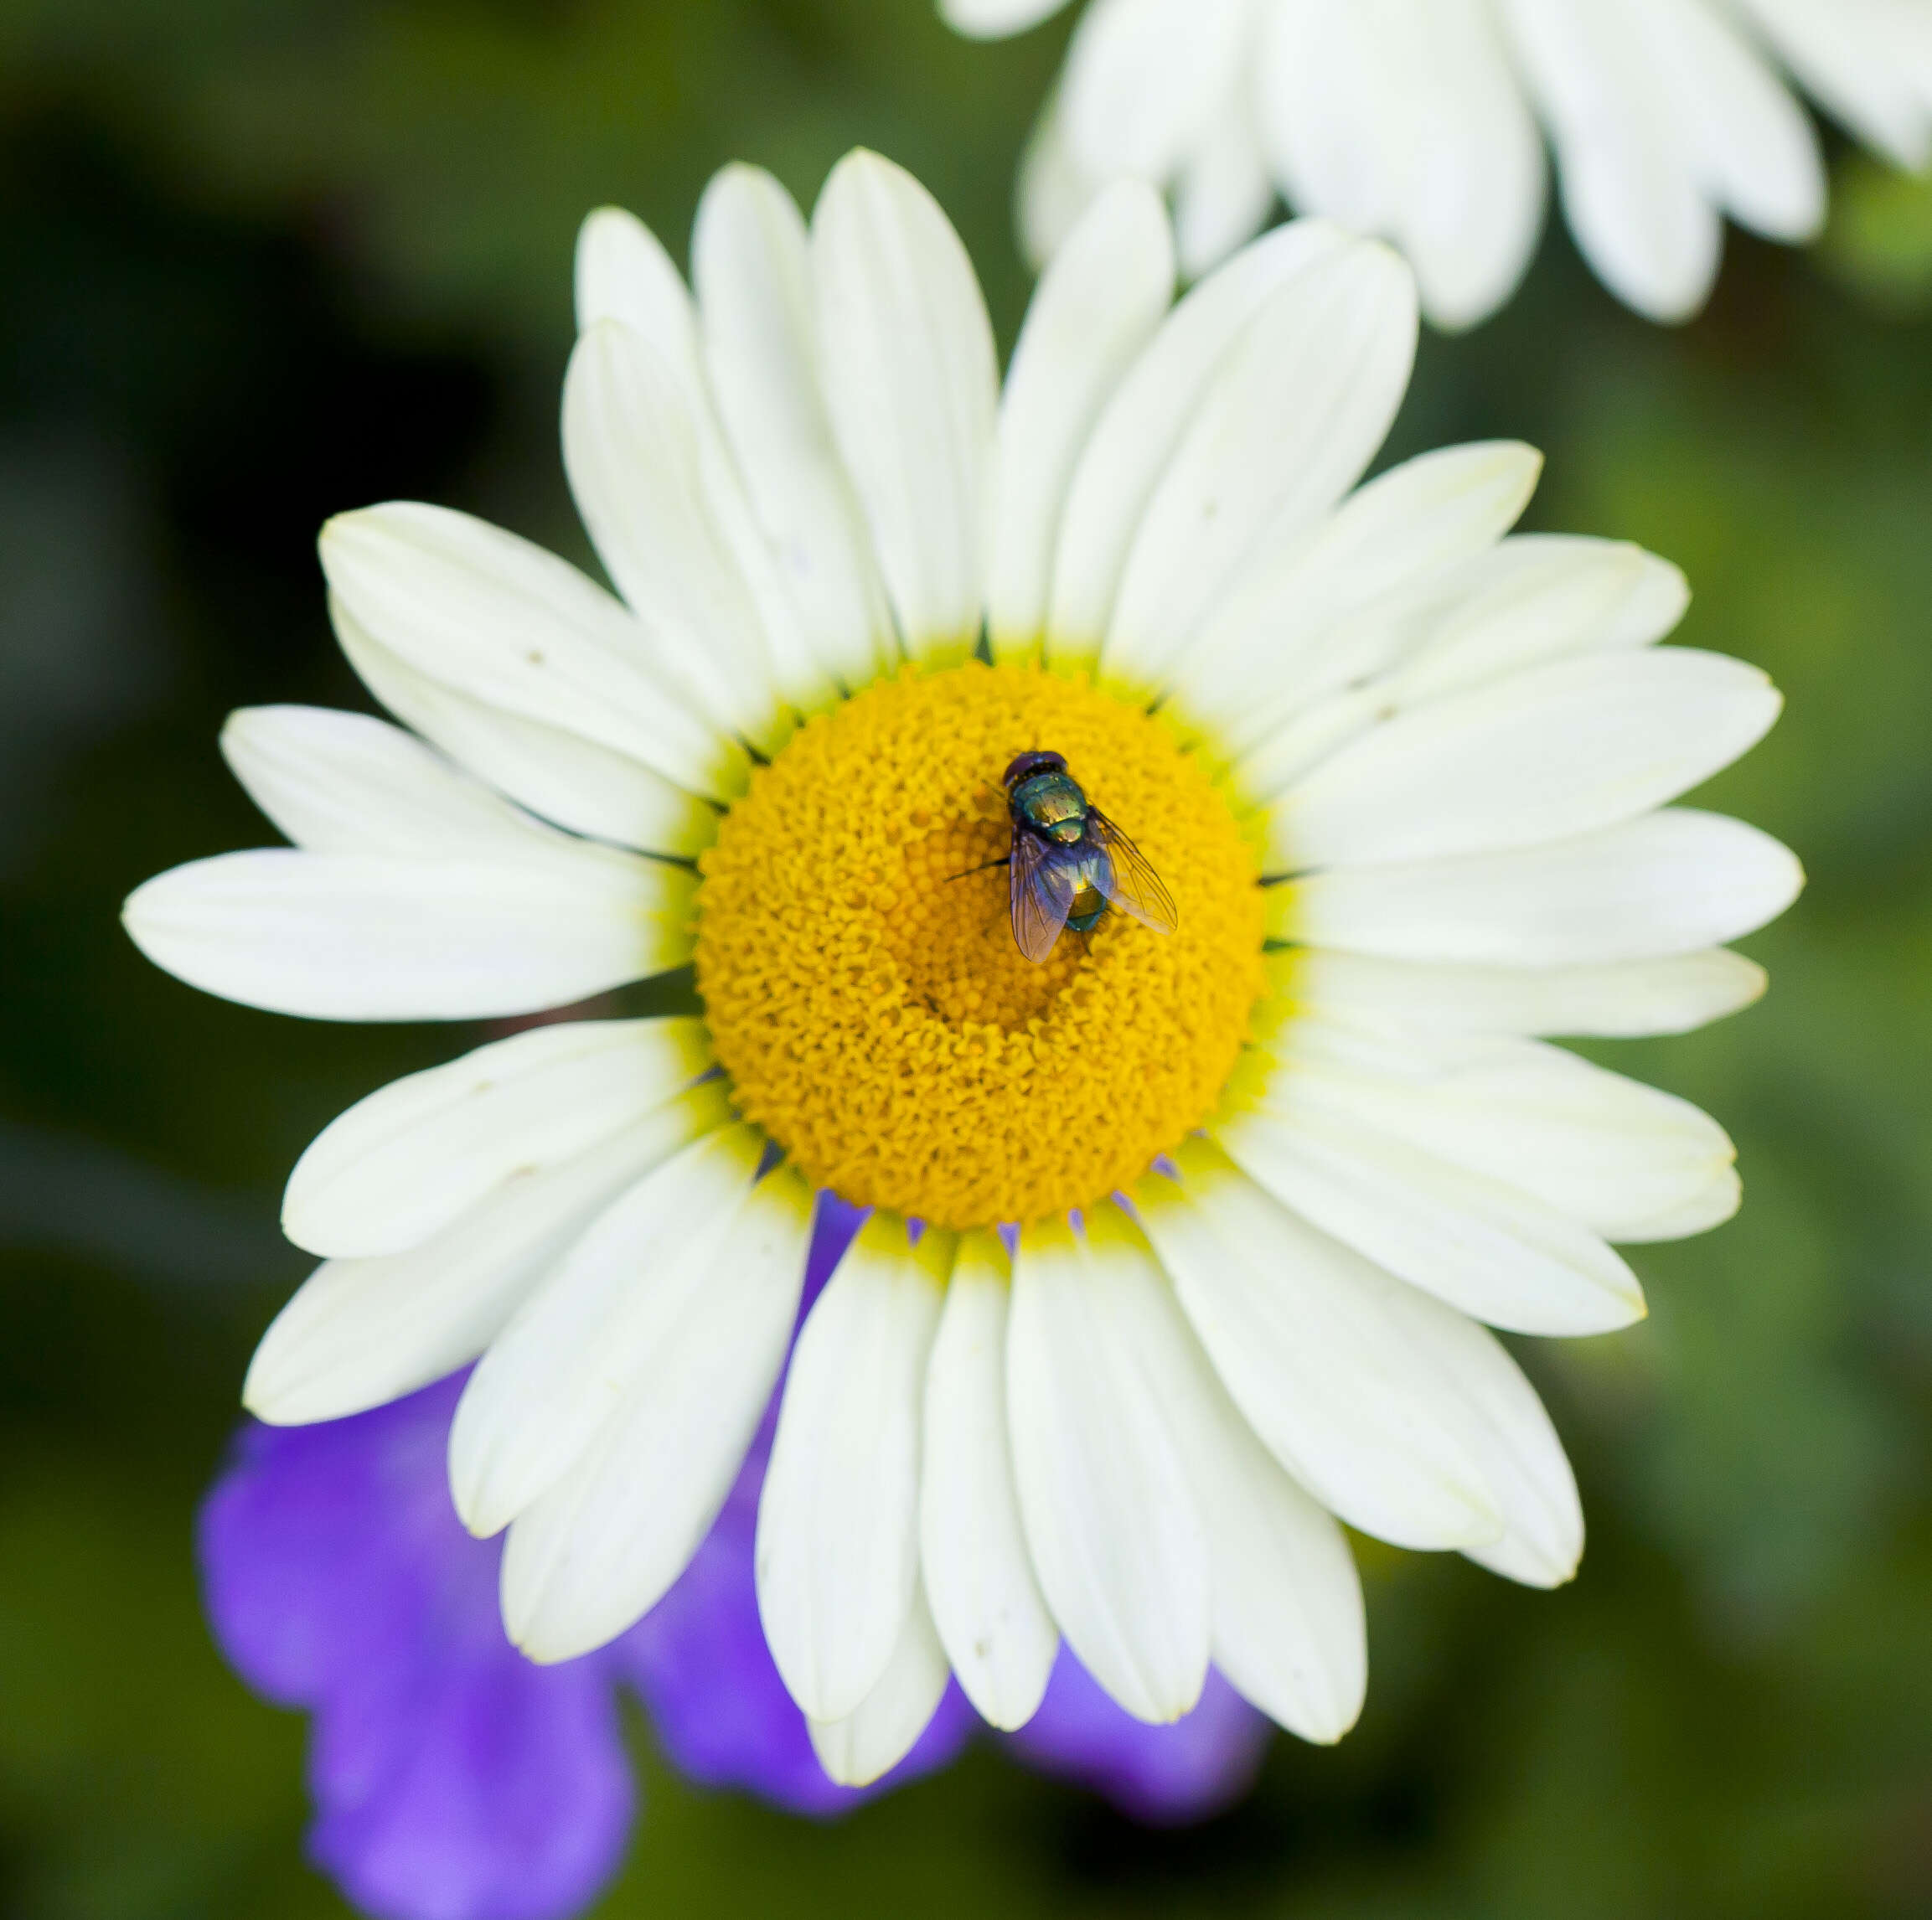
[{"x": 1028, "y": 764}]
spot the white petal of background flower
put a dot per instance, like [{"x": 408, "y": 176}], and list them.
[
  {"x": 1223, "y": 195},
  {"x": 1402, "y": 117},
  {"x": 995, "y": 18},
  {"x": 1146, "y": 79},
  {"x": 1417, "y": 120},
  {"x": 1869, "y": 62}
]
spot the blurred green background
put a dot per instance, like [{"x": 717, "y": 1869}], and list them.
[{"x": 261, "y": 260}]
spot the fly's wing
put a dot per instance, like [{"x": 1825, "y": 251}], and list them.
[
  {"x": 1044, "y": 885},
  {"x": 1129, "y": 883}
]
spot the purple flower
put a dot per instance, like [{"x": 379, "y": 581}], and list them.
[{"x": 454, "y": 1780}]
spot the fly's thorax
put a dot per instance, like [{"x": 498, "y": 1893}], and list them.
[{"x": 1051, "y": 804}]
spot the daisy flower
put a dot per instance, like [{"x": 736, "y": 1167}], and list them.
[
  {"x": 1181, "y": 1246},
  {"x": 1424, "y": 121}
]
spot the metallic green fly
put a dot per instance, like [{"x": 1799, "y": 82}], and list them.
[{"x": 1070, "y": 863}]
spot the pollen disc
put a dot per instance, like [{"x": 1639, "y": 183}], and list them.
[{"x": 873, "y": 1011}]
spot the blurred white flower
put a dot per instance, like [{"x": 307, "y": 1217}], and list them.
[{"x": 1417, "y": 120}]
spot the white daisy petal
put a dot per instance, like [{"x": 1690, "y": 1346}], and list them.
[
  {"x": 1629, "y": 171},
  {"x": 912, "y": 384},
  {"x": 1710, "y": 1204},
  {"x": 1285, "y": 427},
  {"x": 404, "y": 1163},
  {"x": 567, "y": 1363},
  {"x": 994, "y": 19},
  {"x": 1404, "y": 1417},
  {"x": 1869, "y": 61},
  {"x": 1405, "y": 120},
  {"x": 1223, "y": 196},
  {"x": 870, "y": 1741},
  {"x": 1757, "y": 155},
  {"x": 359, "y": 1332},
  {"x": 1289, "y": 1630},
  {"x": 1485, "y": 1246},
  {"x": 343, "y": 783},
  {"x": 1097, "y": 307},
  {"x": 986, "y": 1604},
  {"x": 1408, "y": 525},
  {"x": 489, "y": 615},
  {"x": 561, "y": 776},
  {"x": 1624, "y": 1000},
  {"x": 1145, "y": 78},
  {"x": 1114, "y": 1530},
  {"x": 1334, "y": 1363},
  {"x": 1522, "y": 1458},
  {"x": 751, "y": 263},
  {"x": 603, "y": 1546},
  {"x": 634, "y": 445},
  {"x": 624, "y": 273},
  {"x": 1416, "y": 122},
  {"x": 1052, "y": 192},
  {"x": 1543, "y": 597},
  {"x": 1578, "y": 746},
  {"x": 1161, "y": 395},
  {"x": 345, "y": 937},
  {"x": 1588, "y": 1144},
  {"x": 838, "y": 1547},
  {"x": 1530, "y": 599},
  {"x": 1670, "y": 883}
]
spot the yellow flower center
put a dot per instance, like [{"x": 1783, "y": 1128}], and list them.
[{"x": 873, "y": 1010}]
